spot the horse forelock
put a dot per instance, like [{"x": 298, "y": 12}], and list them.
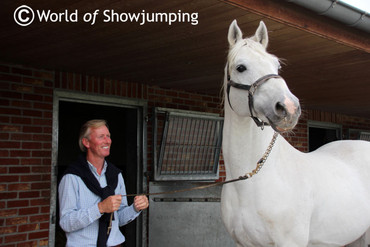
[{"x": 249, "y": 43}]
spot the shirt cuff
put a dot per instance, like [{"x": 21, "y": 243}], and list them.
[
  {"x": 134, "y": 210},
  {"x": 96, "y": 213}
]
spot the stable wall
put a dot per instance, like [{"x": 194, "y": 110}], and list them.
[{"x": 26, "y": 109}]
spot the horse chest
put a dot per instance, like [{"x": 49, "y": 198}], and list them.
[{"x": 252, "y": 220}]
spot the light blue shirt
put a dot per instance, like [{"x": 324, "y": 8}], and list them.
[{"x": 79, "y": 212}]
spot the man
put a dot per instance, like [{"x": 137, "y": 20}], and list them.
[{"x": 90, "y": 193}]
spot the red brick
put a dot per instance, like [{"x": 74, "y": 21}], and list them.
[
  {"x": 46, "y": 161},
  {"x": 8, "y": 195},
  {"x": 31, "y": 145},
  {"x": 43, "y": 242},
  {"x": 10, "y": 128},
  {"x": 10, "y": 144},
  {"x": 11, "y": 95},
  {"x": 4, "y": 153},
  {"x": 44, "y": 225},
  {"x": 48, "y": 99},
  {"x": 48, "y": 129},
  {"x": 49, "y": 75},
  {"x": 40, "y": 169},
  {"x": 20, "y": 120},
  {"x": 29, "y": 210},
  {"x": 30, "y": 178},
  {"x": 3, "y": 188},
  {"x": 45, "y": 193},
  {"x": 19, "y": 187},
  {"x": 42, "y": 137},
  {"x": 19, "y": 153},
  {"x": 32, "y": 113},
  {"x": 20, "y": 136},
  {"x": 33, "y": 81},
  {"x": 48, "y": 115},
  {"x": 18, "y": 203},
  {"x": 39, "y": 218},
  {"x": 28, "y": 227},
  {"x": 11, "y": 78},
  {"x": 38, "y": 235},
  {"x": 33, "y": 97},
  {"x": 43, "y": 106},
  {"x": 42, "y": 121},
  {"x": 19, "y": 169},
  {"x": 28, "y": 244},
  {"x": 31, "y": 161},
  {"x": 8, "y": 212},
  {"x": 32, "y": 129},
  {"x": 41, "y": 153},
  {"x": 40, "y": 186},
  {"x": 21, "y": 104},
  {"x": 40, "y": 202},
  {"x": 15, "y": 238},
  {"x": 45, "y": 209},
  {"x": 43, "y": 90},
  {"x": 8, "y": 230},
  {"x": 16, "y": 221},
  {"x": 29, "y": 194},
  {"x": 21, "y": 88}
]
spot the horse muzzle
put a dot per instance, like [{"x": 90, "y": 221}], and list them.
[{"x": 285, "y": 114}]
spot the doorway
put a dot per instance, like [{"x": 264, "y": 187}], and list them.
[
  {"x": 125, "y": 127},
  {"x": 320, "y": 133}
]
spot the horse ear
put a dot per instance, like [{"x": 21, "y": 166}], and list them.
[
  {"x": 235, "y": 34},
  {"x": 261, "y": 35}
]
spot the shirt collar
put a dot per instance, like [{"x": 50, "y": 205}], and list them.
[{"x": 95, "y": 171}]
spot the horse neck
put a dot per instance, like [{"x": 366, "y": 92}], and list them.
[{"x": 243, "y": 143}]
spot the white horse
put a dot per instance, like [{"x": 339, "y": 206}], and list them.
[{"x": 297, "y": 199}]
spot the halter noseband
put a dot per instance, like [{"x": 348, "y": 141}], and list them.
[{"x": 251, "y": 90}]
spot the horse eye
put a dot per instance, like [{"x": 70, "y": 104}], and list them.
[{"x": 241, "y": 68}]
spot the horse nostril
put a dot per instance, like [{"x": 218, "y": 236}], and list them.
[{"x": 280, "y": 109}]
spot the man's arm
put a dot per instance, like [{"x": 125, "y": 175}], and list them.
[{"x": 73, "y": 218}]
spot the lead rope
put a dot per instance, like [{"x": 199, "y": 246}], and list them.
[{"x": 259, "y": 166}]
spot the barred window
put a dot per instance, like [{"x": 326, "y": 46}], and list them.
[
  {"x": 187, "y": 144},
  {"x": 365, "y": 136}
]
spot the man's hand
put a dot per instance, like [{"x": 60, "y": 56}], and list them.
[
  {"x": 110, "y": 204},
  {"x": 141, "y": 203}
]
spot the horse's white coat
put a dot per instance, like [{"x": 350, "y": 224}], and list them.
[{"x": 297, "y": 199}]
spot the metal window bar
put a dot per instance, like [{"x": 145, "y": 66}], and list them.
[
  {"x": 365, "y": 136},
  {"x": 190, "y": 145}
]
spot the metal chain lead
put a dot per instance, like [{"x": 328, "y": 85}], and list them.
[{"x": 262, "y": 161}]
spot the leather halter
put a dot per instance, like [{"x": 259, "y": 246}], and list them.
[{"x": 251, "y": 90}]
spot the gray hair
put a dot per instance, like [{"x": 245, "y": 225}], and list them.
[{"x": 86, "y": 130}]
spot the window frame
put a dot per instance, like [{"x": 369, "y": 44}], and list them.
[{"x": 188, "y": 173}]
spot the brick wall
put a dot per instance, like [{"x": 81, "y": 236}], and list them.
[
  {"x": 299, "y": 137},
  {"x": 25, "y": 148},
  {"x": 26, "y": 103}
]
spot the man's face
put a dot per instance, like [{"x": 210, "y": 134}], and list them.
[{"x": 99, "y": 142}]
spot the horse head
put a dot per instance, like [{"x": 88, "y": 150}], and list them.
[{"x": 252, "y": 83}]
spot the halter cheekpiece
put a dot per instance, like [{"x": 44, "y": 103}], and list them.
[{"x": 251, "y": 90}]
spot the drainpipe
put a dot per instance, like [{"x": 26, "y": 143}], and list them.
[{"x": 338, "y": 10}]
